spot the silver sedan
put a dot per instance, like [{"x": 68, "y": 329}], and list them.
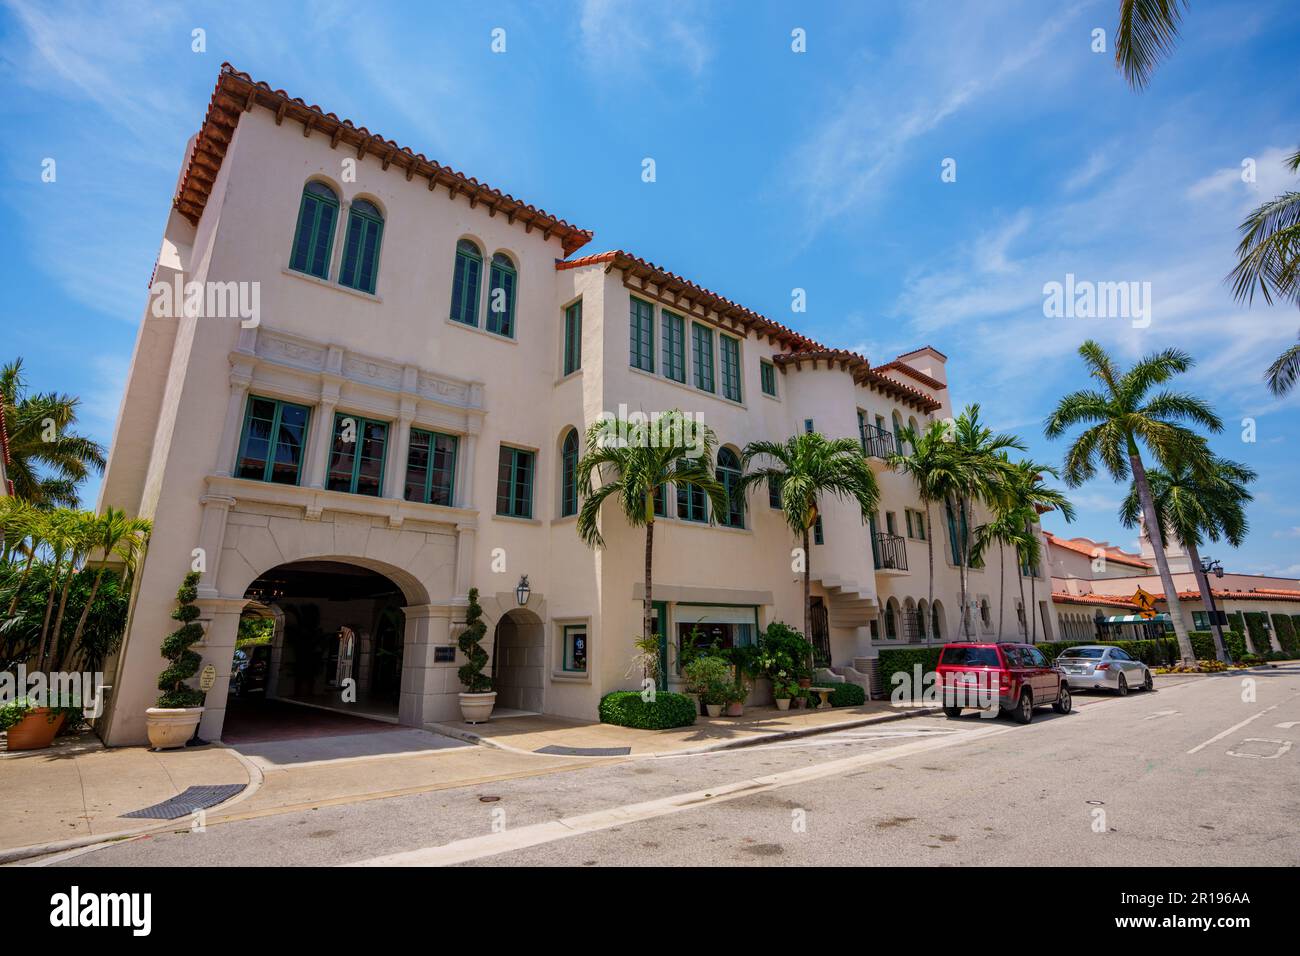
[{"x": 1104, "y": 667}]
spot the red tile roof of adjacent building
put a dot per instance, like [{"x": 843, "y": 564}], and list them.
[
  {"x": 237, "y": 93},
  {"x": 1119, "y": 600},
  {"x": 910, "y": 372},
  {"x": 1105, "y": 600},
  {"x": 1111, "y": 552}
]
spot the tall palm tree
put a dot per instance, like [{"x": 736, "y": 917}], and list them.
[
  {"x": 1146, "y": 34},
  {"x": 113, "y": 534},
  {"x": 805, "y": 467},
  {"x": 981, "y": 468},
  {"x": 634, "y": 461},
  {"x": 1194, "y": 506},
  {"x": 1025, "y": 486},
  {"x": 933, "y": 472},
  {"x": 63, "y": 534},
  {"x": 23, "y": 528},
  {"x": 47, "y": 458},
  {"x": 82, "y": 534},
  {"x": 1121, "y": 416},
  {"x": 1006, "y": 527}
]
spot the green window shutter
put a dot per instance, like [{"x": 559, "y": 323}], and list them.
[
  {"x": 767, "y": 375},
  {"x": 465, "y": 282},
  {"x": 954, "y": 546},
  {"x": 314, "y": 235},
  {"x": 641, "y": 323},
  {"x": 360, "y": 268},
  {"x": 573, "y": 338},
  {"x": 502, "y": 282},
  {"x": 702, "y": 354},
  {"x": 515, "y": 483},
  {"x": 907, "y": 514},
  {"x": 728, "y": 475},
  {"x": 674, "y": 346},
  {"x": 819, "y": 536},
  {"x": 730, "y": 351}
]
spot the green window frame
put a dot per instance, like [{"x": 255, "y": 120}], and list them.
[
  {"x": 692, "y": 502},
  {"x": 641, "y": 321},
  {"x": 728, "y": 475},
  {"x": 575, "y": 649},
  {"x": 272, "y": 441},
  {"x": 773, "y": 492},
  {"x": 569, "y": 474},
  {"x": 767, "y": 379},
  {"x": 431, "y": 467},
  {"x": 573, "y": 338},
  {"x": 465, "y": 278},
  {"x": 661, "y": 501},
  {"x": 503, "y": 286},
  {"x": 819, "y": 535},
  {"x": 907, "y": 515},
  {"x": 674, "y": 346},
  {"x": 515, "y": 468},
  {"x": 702, "y": 356},
  {"x": 360, "y": 269},
  {"x": 954, "y": 542},
  {"x": 357, "y": 466},
  {"x": 313, "y": 237},
  {"x": 729, "y": 353}
]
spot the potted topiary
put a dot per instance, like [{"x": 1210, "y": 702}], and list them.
[
  {"x": 478, "y": 698},
  {"x": 180, "y": 706}
]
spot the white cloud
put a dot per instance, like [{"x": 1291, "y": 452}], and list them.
[{"x": 615, "y": 42}]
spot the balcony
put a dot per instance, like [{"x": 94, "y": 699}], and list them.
[
  {"x": 877, "y": 444},
  {"x": 889, "y": 551}
]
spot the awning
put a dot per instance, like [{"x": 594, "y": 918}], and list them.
[{"x": 1136, "y": 619}]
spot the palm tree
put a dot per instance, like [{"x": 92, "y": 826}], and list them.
[
  {"x": 63, "y": 533},
  {"x": 1120, "y": 416},
  {"x": 931, "y": 468},
  {"x": 113, "y": 534},
  {"x": 1025, "y": 486},
  {"x": 634, "y": 461},
  {"x": 981, "y": 469},
  {"x": 1194, "y": 506},
  {"x": 82, "y": 533},
  {"x": 1268, "y": 261},
  {"x": 47, "y": 458},
  {"x": 23, "y": 529},
  {"x": 805, "y": 467},
  {"x": 1007, "y": 526},
  {"x": 1147, "y": 31}
]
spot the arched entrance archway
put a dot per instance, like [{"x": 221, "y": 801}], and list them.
[{"x": 518, "y": 661}]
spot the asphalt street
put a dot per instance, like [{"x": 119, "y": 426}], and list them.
[{"x": 1202, "y": 772}]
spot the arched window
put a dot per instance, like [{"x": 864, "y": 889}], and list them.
[
  {"x": 728, "y": 474},
  {"x": 891, "y": 620},
  {"x": 314, "y": 236},
  {"x": 465, "y": 282},
  {"x": 501, "y": 296},
  {"x": 923, "y": 617},
  {"x": 936, "y": 621},
  {"x": 898, "y": 433},
  {"x": 569, "y": 474},
  {"x": 986, "y": 614},
  {"x": 361, "y": 248}
]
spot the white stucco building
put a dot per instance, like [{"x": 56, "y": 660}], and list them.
[{"x": 378, "y": 438}]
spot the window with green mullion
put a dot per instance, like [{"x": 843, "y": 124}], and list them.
[
  {"x": 272, "y": 443},
  {"x": 314, "y": 237},
  {"x": 502, "y": 280},
  {"x": 674, "y": 346},
  {"x": 360, "y": 268},
  {"x": 573, "y": 338},
  {"x": 767, "y": 377},
  {"x": 729, "y": 350},
  {"x": 702, "y": 356},
  {"x": 515, "y": 482},
  {"x": 357, "y": 455},
  {"x": 692, "y": 502},
  {"x": 431, "y": 468},
  {"x": 641, "y": 321}
]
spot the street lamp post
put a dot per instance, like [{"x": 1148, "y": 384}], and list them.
[{"x": 1210, "y": 566}]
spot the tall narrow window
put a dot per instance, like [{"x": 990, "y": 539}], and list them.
[
  {"x": 767, "y": 377},
  {"x": 569, "y": 474},
  {"x": 642, "y": 322},
  {"x": 314, "y": 236},
  {"x": 573, "y": 338},
  {"x": 357, "y": 455},
  {"x": 729, "y": 349},
  {"x": 819, "y": 535},
  {"x": 515, "y": 482},
  {"x": 431, "y": 468},
  {"x": 361, "y": 248},
  {"x": 271, "y": 447},
  {"x": 501, "y": 296},
  {"x": 702, "y": 356},
  {"x": 674, "y": 346},
  {"x": 898, "y": 433},
  {"x": 465, "y": 283},
  {"x": 773, "y": 492},
  {"x": 692, "y": 502},
  {"x": 728, "y": 474}
]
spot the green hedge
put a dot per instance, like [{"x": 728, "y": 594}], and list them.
[
  {"x": 626, "y": 708},
  {"x": 895, "y": 660},
  {"x": 1258, "y": 636},
  {"x": 1286, "y": 635},
  {"x": 848, "y": 695},
  {"x": 1203, "y": 645}
]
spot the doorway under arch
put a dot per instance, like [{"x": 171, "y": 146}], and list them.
[{"x": 519, "y": 661}]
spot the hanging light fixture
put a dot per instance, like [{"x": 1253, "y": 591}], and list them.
[{"x": 522, "y": 590}]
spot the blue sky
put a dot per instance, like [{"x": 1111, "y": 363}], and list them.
[{"x": 775, "y": 171}]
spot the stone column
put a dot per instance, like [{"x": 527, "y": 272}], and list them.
[
  {"x": 212, "y": 535},
  {"x": 321, "y": 434},
  {"x": 241, "y": 377},
  {"x": 465, "y": 495},
  {"x": 465, "y": 543},
  {"x": 395, "y": 453},
  {"x": 429, "y": 688},
  {"x": 221, "y": 629}
]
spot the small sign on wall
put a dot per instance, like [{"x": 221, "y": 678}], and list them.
[{"x": 445, "y": 654}]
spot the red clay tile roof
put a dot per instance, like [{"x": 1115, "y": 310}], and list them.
[
  {"x": 1093, "y": 599},
  {"x": 237, "y": 93},
  {"x": 1118, "y": 600},
  {"x": 910, "y": 372},
  {"x": 1111, "y": 552},
  {"x": 922, "y": 349}
]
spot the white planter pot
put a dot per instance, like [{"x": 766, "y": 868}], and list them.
[
  {"x": 170, "y": 727},
  {"x": 714, "y": 710},
  {"x": 783, "y": 703},
  {"x": 477, "y": 708}
]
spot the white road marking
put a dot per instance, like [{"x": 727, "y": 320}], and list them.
[
  {"x": 1287, "y": 724},
  {"x": 1248, "y": 720},
  {"x": 492, "y": 844},
  {"x": 1162, "y": 713},
  {"x": 1282, "y": 747}
]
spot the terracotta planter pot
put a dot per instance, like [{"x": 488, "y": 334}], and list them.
[
  {"x": 477, "y": 708},
  {"x": 36, "y": 730},
  {"x": 805, "y": 681},
  {"x": 714, "y": 710},
  {"x": 735, "y": 709},
  {"x": 799, "y": 703},
  {"x": 783, "y": 703},
  {"x": 170, "y": 727}
]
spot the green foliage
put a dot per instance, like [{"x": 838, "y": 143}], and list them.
[
  {"x": 1255, "y": 628},
  {"x": 471, "y": 672},
  {"x": 902, "y": 660},
  {"x": 711, "y": 677},
  {"x": 627, "y": 708},
  {"x": 254, "y": 631},
  {"x": 20, "y": 634},
  {"x": 183, "y": 663},
  {"x": 787, "y": 649},
  {"x": 848, "y": 695},
  {"x": 1286, "y": 635}
]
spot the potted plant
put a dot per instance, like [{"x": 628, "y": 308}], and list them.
[
  {"x": 180, "y": 706},
  {"x": 735, "y": 695},
  {"x": 30, "y": 727},
  {"x": 478, "y": 698},
  {"x": 783, "y": 690},
  {"x": 710, "y": 677}
]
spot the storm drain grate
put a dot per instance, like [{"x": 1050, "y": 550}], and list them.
[
  {"x": 183, "y": 804},
  {"x": 584, "y": 751}
]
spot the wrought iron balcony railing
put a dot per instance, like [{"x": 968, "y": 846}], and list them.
[
  {"x": 889, "y": 551},
  {"x": 876, "y": 442}
]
